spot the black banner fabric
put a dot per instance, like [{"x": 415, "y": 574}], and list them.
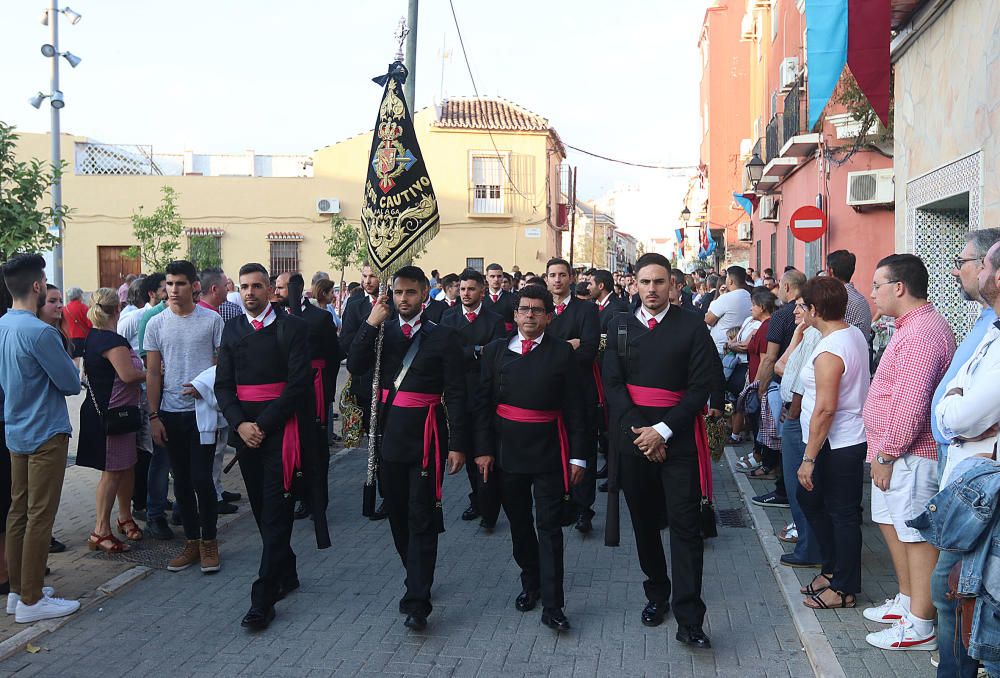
[{"x": 400, "y": 213}]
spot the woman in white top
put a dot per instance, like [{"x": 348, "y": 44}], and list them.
[{"x": 835, "y": 381}]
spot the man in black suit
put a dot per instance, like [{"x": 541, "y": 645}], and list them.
[
  {"x": 262, "y": 387},
  {"x": 325, "y": 355},
  {"x": 476, "y": 326},
  {"x": 657, "y": 391},
  {"x": 531, "y": 425},
  {"x": 449, "y": 284},
  {"x": 577, "y": 323},
  {"x": 421, "y": 365},
  {"x": 434, "y": 309},
  {"x": 496, "y": 300},
  {"x": 355, "y": 313}
]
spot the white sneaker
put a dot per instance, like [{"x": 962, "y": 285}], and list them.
[
  {"x": 45, "y": 608},
  {"x": 888, "y": 612},
  {"x": 902, "y": 636},
  {"x": 13, "y": 599}
]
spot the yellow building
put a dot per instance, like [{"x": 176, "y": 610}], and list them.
[{"x": 495, "y": 168}]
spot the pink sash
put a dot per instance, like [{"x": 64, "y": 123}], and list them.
[
  {"x": 525, "y": 416},
  {"x": 291, "y": 446},
  {"x": 432, "y": 437},
  {"x": 319, "y": 365}
]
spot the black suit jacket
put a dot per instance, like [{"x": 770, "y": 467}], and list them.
[
  {"x": 504, "y": 306},
  {"x": 678, "y": 355},
  {"x": 487, "y": 327},
  {"x": 544, "y": 379},
  {"x": 610, "y": 309},
  {"x": 436, "y": 368},
  {"x": 580, "y": 321},
  {"x": 434, "y": 310}
]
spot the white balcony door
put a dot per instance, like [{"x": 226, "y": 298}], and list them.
[{"x": 487, "y": 185}]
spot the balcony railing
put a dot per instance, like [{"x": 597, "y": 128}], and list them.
[
  {"x": 774, "y": 137},
  {"x": 791, "y": 117}
]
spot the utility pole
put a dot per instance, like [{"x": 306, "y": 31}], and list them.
[
  {"x": 572, "y": 214},
  {"x": 411, "y": 55},
  {"x": 57, "y": 251}
]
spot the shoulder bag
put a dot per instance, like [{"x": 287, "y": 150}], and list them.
[{"x": 116, "y": 420}]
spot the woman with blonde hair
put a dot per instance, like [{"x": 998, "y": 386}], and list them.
[{"x": 113, "y": 372}]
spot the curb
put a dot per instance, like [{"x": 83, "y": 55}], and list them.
[
  {"x": 30, "y": 634},
  {"x": 821, "y": 655}
]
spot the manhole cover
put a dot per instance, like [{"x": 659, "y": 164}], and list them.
[
  {"x": 148, "y": 552},
  {"x": 731, "y": 518}
]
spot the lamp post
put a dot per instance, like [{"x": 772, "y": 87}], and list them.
[
  {"x": 755, "y": 170},
  {"x": 50, "y": 18}
]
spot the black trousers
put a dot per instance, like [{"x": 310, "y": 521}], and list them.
[
  {"x": 191, "y": 463},
  {"x": 649, "y": 489},
  {"x": 833, "y": 511},
  {"x": 141, "y": 486},
  {"x": 272, "y": 510},
  {"x": 410, "y": 503},
  {"x": 585, "y": 493},
  {"x": 540, "y": 556}
]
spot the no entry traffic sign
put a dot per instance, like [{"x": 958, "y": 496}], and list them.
[{"x": 808, "y": 223}]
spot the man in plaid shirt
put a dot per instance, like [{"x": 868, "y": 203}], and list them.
[
  {"x": 901, "y": 448},
  {"x": 840, "y": 265}
]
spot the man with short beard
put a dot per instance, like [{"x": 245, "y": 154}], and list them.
[{"x": 421, "y": 367}]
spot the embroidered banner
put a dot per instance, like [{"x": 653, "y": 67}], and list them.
[{"x": 400, "y": 213}]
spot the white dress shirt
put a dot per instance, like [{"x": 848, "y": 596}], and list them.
[
  {"x": 515, "y": 345},
  {"x": 413, "y": 322},
  {"x": 266, "y": 316},
  {"x": 477, "y": 311},
  {"x": 644, "y": 317}
]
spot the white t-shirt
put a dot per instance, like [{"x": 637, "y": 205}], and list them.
[
  {"x": 188, "y": 346},
  {"x": 732, "y": 308},
  {"x": 848, "y": 427},
  {"x": 747, "y": 329}
]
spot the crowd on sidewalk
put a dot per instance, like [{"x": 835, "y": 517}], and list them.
[{"x": 183, "y": 365}]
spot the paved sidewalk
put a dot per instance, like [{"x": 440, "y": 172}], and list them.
[
  {"x": 343, "y": 621},
  {"x": 846, "y": 629}
]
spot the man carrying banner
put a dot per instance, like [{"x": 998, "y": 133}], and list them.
[
  {"x": 262, "y": 382},
  {"x": 659, "y": 370},
  {"x": 421, "y": 366},
  {"x": 531, "y": 426}
]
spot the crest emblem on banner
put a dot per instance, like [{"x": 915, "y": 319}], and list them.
[{"x": 400, "y": 214}]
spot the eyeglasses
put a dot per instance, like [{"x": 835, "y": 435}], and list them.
[
  {"x": 876, "y": 286},
  {"x": 962, "y": 261},
  {"x": 530, "y": 310}
]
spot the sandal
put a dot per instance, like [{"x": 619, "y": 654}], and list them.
[
  {"x": 789, "y": 534},
  {"x": 847, "y": 600},
  {"x": 810, "y": 588},
  {"x": 763, "y": 473},
  {"x": 747, "y": 463},
  {"x": 108, "y": 543},
  {"x": 130, "y": 530}
]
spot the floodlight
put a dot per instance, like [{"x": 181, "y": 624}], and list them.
[
  {"x": 73, "y": 17},
  {"x": 48, "y": 50},
  {"x": 37, "y": 100},
  {"x": 57, "y": 99},
  {"x": 73, "y": 59}
]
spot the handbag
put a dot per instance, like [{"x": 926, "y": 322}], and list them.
[
  {"x": 116, "y": 420},
  {"x": 965, "y": 606}
]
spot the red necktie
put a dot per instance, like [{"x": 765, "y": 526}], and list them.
[
  {"x": 560, "y": 308},
  {"x": 494, "y": 297},
  {"x": 407, "y": 329},
  {"x": 451, "y": 302},
  {"x": 651, "y": 322},
  {"x": 257, "y": 324},
  {"x": 471, "y": 317},
  {"x": 526, "y": 345}
]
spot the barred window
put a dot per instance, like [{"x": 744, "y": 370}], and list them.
[
  {"x": 284, "y": 257},
  {"x": 475, "y": 263}
]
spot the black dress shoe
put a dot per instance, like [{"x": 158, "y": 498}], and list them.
[
  {"x": 584, "y": 523},
  {"x": 693, "y": 636},
  {"x": 157, "y": 528},
  {"x": 287, "y": 587},
  {"x": 527, "y": 600},
  {"x": 415, "y": 622},
  {"x": 258, "y": 619},
  {"x": 224, "y": 508},
  {"x": 653, "y": 613},
  {"x": 56, "y": 546},
  {"x": 380, "y": 513},
  {"x": 602, "y": 472},
  {"x": 470, "y": 513},
  {"x": 300, "y": 510},
  {"x": 555, "y": 620},
  {"x": 602, "y": 487},
  {"x": 231, "y": 496}
]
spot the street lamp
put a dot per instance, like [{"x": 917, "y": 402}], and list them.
[
  {"x": 50, "y": 50},
  {"x": 685, "y": 214},
  {"x": 755, "y": 169}
]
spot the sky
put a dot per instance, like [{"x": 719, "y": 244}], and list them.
[{"x": 214, "y": 76}]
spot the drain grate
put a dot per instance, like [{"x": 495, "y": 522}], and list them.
[
  {"x": 149, "y": 552},
  {"x": 731, "y": 518}
]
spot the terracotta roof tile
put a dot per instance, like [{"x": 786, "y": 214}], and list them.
[
  {"x": 492, "y": 114},
  {"x": 204, "y": 230},
  {"x": 284, "y": 235}
]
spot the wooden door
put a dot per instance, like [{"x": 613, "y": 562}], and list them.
[{"x": 115, "y": 266}]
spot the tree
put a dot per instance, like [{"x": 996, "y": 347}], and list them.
[
  {"x": 344, "y": 247},
  {"x": 159, "y": 234},
  {"x": 204, "y": 252},
  {"x": 24, "y": 226}
]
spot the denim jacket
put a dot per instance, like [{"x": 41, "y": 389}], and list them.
[{"x": 963, "y": 518}]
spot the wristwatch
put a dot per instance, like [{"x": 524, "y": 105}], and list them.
[
  {"x": 885, "y": 461},
  {"x": 808, "y": 460}
]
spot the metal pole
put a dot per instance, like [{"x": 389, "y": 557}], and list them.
[
  {"x": 572, "y": 213},
  {"x": 57, "y": 252},
  {"x": 411, "y": 55}
]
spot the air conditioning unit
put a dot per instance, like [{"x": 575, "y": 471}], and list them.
[
  {"x": 788, "y": 73},
  {"x": 743, "y": 232},
  {"x": 873, "y": 187},
  {"x": 768, "y": 208},
  {"x": 327, "y": 206},
  {"x": 748, "y": 27}
]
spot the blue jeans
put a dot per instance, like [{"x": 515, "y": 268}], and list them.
[
  {"x": 955, "y": 663},
  {"x": 159, "y": 469},
  {"x": 792, "y": 449}
]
